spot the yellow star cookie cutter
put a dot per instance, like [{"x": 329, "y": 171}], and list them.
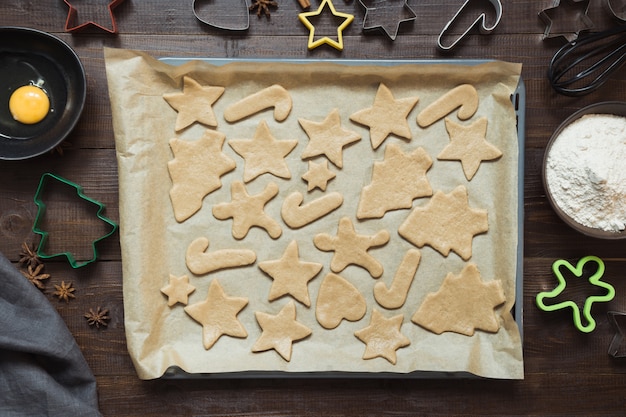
[{"x": 338, "y": 44}]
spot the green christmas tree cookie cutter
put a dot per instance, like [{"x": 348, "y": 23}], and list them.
[
  {"x": 41, "y": 210},
  {"x": 595, "y": 279}
]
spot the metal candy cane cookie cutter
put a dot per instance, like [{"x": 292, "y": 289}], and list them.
[
  {"x": 469, "y": 7},
  {"x": 221, "y": 16},
  {"x": 41, "y": 211},
  {"x": 578, "y": 271}
]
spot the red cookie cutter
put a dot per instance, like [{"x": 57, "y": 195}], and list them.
[{"x": 73, "y": 22}]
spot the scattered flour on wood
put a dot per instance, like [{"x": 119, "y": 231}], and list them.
[{"x": 586, "y": 171}]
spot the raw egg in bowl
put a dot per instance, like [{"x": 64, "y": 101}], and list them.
[{"x": 42, "y": 92}]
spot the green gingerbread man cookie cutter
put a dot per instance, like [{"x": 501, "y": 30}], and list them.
[
  {"x": 595, "y": 279},
  {"x": 41, "y": 210}
]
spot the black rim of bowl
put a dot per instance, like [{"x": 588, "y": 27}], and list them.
[
  {"x": 605, "y": 107},
  {"x": 55, "y": 48}
]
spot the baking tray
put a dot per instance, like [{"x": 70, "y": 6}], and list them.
[{"x": 518, "y": 99}]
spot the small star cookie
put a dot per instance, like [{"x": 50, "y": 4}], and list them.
[
  {"x": 194, "y": 104},
  {"x": 351, "y": 248},
  {"x": 383, "y": 337},
  {"x": 218, "y": 315},
  {"x": 196, "y": 171},
  {"x": 291, "y": 275},
  {"x": 396, "y": 182},
  {"x": 178, "y": 290},
  {"x": 327, "y": 138},
  {"x": 446, "y": 223},
  {"x": 468, "y": 145},
  {"x": 263, "y": 153},
  {"x": 463, "y": 304},
  {"x": 387, "y": 116},
  {"x": 280, "y": 331},
  {"x": 318, "y": 176},
  {"x": 248, "y": 211}
]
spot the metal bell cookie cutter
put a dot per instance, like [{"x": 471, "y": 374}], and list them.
[
  {"x": 41, "y": 210},
  {"x": 481, "y": 21},
  {"x": 235, "y": 21}
]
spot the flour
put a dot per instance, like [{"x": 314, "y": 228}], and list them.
[{"x": 586, "y": 171}]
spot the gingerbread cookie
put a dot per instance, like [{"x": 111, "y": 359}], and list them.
[
  {"x": 395, "y": 295},
  {"x": 386, "y": 116},
  {"x": 318, "y": 175},
  {"x": 464, "y": 303},
  {"x": 396, "y": 182},
  {"x": 351, "y": 248},
  {"x": 463, "y": 97},
  {"x": 297, "y": 215},
  {"x": 273, "y": 96},
  {"x": 201, "y": 262},
  {"x": 196, "y": 171},
  {"x": 194, "y": 104},
  {"x": 178, "y": 290},
  {"x": 248, "y": 211},
  {"x": 446, "y": 223}
]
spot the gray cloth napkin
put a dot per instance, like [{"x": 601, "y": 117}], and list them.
[{"x": 42, "y": 370}]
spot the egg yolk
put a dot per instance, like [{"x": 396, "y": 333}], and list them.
[{"x": 29, "y": 104}]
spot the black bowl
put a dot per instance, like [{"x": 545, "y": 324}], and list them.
[{"x": 26, "y": 57}]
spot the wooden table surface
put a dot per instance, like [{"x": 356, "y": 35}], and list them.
[{"x": 566, "y": 372}]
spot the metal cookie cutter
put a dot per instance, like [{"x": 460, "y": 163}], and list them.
[
  {"x": 207, "y": 12},
  {"x": 386, "y": 15},
  {"x": 41, "y": 210},
  {"x": 468, "y": 7},
  {"x": 594, "y": 279},
  {"x": 617, "y": 347},
  {"x": 572, "y": 11},
  {"x": 72, "y": 23},
  {"x": 617, "y": 8}
]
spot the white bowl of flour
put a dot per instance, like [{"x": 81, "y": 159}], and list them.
[{"x": 584, "y": 170}]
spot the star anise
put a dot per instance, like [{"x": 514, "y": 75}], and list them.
[
  {"x": 263, "y": 6},
  {"x": 64, "y": 291},
  {"x": 98, "y": 317},
  {"x": 35, "y": 276},
  {"x": 28, "y": 255}
]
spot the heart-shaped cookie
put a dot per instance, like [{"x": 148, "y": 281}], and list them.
[{"x": 337, "y": 300}]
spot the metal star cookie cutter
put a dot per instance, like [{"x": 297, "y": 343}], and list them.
[
  {"x": 595, "y": 279},
  {"x": 41, "y": 210},
  {"x": 617, "y": 347},
  {"x": 72, "y": 25},
  {"x": 338, "y": 44},
  {"x": 576, "y": 11},
  {"x": 198, "y": 7},
  {"x": 385, "y": 5},
  {"x": 481, "y": 21}
]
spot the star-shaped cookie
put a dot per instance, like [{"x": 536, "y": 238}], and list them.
[
  {"x": 382, "y": 337},
  {"x": 463, "y": 304},
  {"x": 291, "y": 275},
  {"x": 327, "y": 138},
  {"x": 280, "y": 331},
  {"x": 318, "y": 175},
  {"x": 248, "y": 211},
  {"x": 351, "y": 248},
  {"x": 178, "y": 290},
  {"x": 194, "y": 104},
  {"x": 196, "y": 171},
  {"x": 396, "y": 182},
  {"x": 446, "y": 223},
  {"x": 263, "y": 153},
  {"x": 469, "y": 145},
  {"x": 387, "y": 116},
  {"x": 218, "y": 315}
]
